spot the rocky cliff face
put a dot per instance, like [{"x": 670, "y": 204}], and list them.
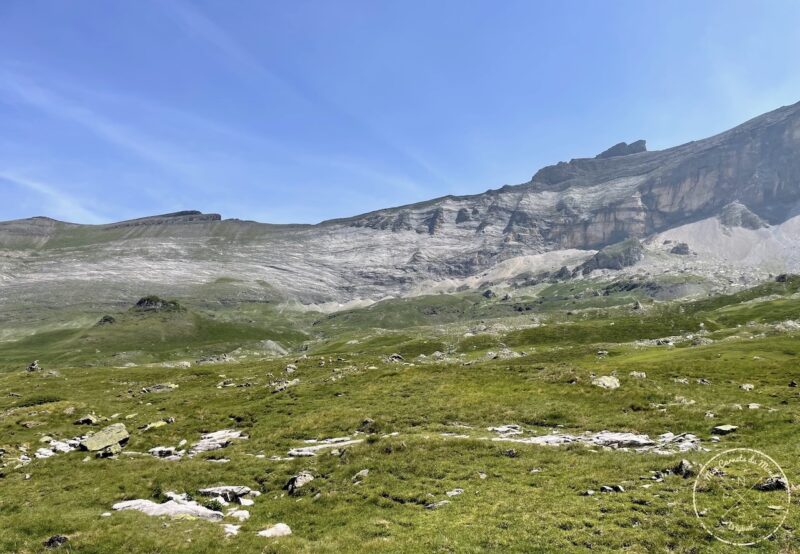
[{"x": 749, "y": 176}]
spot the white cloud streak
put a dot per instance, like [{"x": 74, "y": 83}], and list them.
[{"x": 56, "y": 202}]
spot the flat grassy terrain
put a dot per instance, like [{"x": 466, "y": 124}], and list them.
[{"x": 428, "y": 431}]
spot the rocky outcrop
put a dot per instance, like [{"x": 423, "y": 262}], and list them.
[
  {"x": 616, "y": 256},
  {"x": 623, "y": 149},
  {"x": 155, "y": 304},
  {"x": 111, "y": 436},
  {"x": 736, "y": 214}
]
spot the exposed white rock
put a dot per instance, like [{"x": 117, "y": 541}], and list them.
[
  {"x": 231, "y": 493},
  {"x": 171, "y": 508},
  {"x": 231, "y": 529},
  {"x": 215, "y": 441},
  {"x": 277, "y": 530},
  {"x": 317, "y": 446},
  {"x": 507, "y": 430},
  {"x": 606, "y": 382},
  {"x": 664, "y": 444}
]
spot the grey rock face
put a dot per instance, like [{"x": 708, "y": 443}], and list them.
[
  {"x": 736, "y": 214},
  {"x": 615, "y": 256},
  {"x": 623, "y": 149}
]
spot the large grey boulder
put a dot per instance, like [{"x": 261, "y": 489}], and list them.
[{"x": 112, "y": 435}]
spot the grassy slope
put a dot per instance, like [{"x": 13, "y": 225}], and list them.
[{"x": 512, "y": 509}]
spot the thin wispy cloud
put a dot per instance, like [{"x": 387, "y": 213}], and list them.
[
  {"x": 200, "y": 26},
  {"x": 55, "y": 201},
  {"x": 26, "y": 91}
]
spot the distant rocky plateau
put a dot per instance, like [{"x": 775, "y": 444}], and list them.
[{"x": 724, "y": 208}]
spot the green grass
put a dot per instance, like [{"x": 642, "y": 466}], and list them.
[{"x": 513, "y": 509}]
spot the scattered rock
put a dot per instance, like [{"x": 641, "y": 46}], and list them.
[
  {"x": 90, "y": 419},
  {"x": 231, "y": 529},
  {"x": 298, "y": 481},
  {"x": 115, "y": 434},
  {"x": 215, "y": 441},
  {"x": 214, "y": 359},
  {"x": 510, "y": 453},
  {"x": 589, "y": 492},
  {"x": 177, "y": 506},
  {"x": 360, "y": 475},
  {"x": 160, "y": 387},
  {"x": 506, "y": 430},
  {"x": 455, "y": 492},
  {"x": 724, "y": 429},
  {"x": 241, "y": 515},
  {"x": 793, "y": 383},
  {"x": 437, "y": 505},
  {"x": 34, "y": 366},
  {"x": 681, "y": 249},
  {"x": 231, "y": 493},
  {"x": 773, "y": 483},
  {"x": 316, "y": 446},
  {"x": 56, "y": 541},
  {"x": 157, "y": 424},
  {"x": 277, "y": 530},
  {"x": 282, "y": 385},
  {"x": 167, "y": 453},
  {"x": 747, "y": 387},
  {"x": 612, "y": 488},
  {"x": 488, "y": 293},
  {"x": 684, "y": 468},
  {"x": 638, "y": 374},
  {"x": 155, "y": 304},
  {"x": 606, "y": 382},
  {"x": 395, "y": 358},
  {"x": 106, "y": 320}
]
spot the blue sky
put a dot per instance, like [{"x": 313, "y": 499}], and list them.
[{"x": 302, "y": 111}]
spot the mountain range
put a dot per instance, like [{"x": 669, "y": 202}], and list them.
[{"x": 723, "y": 209}]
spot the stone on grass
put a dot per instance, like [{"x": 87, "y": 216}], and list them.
[
  {"x": 638, "y": 374},
  {"x": 89, "y": 419},
  {"x": 231, "y": 529},
  {"x": 360, "y": 475},
  {"x": 684, "y": 469},
  {"x": 773, "y": 483},
  {"x": 241, "y": 515},
  {"x": 724, "y": 429},
  {"x": 277, "y": 530},
  {"x": 298, "y": 481},
  {"x": 215, "y": 441},
  {"x": 115, "y": 434},
  {"x": 454, "y": 492},
  {"x": 56, "y": 541},
  {"x": 437, "y": 505},
  {"x": 606, "y": 382},
  {"x": 747, "y": 387},
  {"x": 160, "y": 387},
  {"x": 231, "y": 493},
  {"x": 177, "y": 507}
]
